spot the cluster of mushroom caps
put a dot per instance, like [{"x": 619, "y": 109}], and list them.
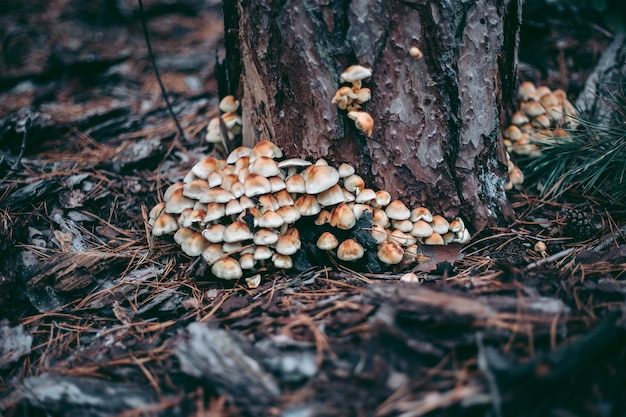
[
  {"x": 242, "y": 214},
  {"x": 543, "y": 115},
  {"x": 231, "y": 120},
  {"x": 351, "y": 98}
]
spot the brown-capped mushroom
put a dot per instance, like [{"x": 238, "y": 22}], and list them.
[
  {"x": 363, "y": 121},
  {"x": 350, "y": 250},
  {"x": 227, "y": 268},
  {"x": 327, "y": 241},
  {"x": 229, "y": 104},
  {"x": 396, "y": 210},
  {"x": 390, "y": 253},
  {"x": 164, "y": 225}
]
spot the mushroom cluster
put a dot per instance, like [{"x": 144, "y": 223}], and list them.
[
  {"x": 351, "y": 98},
  {"x": 543, "y": 115},
  {"x": 246, "y": 213},
  {"x": 231, "y": 120}
]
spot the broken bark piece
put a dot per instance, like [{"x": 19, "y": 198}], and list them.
[
  {"x": 229, "y": 363},
  {"x": 72, "y": 271},
  {"x": 86, "y": 396}
]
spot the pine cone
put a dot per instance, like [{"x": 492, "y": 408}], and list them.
[{"x": 579, "y": 224}]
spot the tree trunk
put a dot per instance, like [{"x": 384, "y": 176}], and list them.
[{"x": 436, "y": 139}]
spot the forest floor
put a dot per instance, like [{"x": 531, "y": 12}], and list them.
[{"x": 97, "y": 318}]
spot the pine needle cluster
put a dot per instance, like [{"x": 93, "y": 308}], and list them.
[{"x": 591, "y": 160}]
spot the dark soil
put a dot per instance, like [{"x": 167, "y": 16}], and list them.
[{"x": 97, "y": 318}]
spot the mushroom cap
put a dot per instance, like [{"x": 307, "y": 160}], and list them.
[
  {"x": 421, "y": 228},
  {"x": 265, "y": 148},
  {"x": 164, "y": 225},
  {"x": 283, "y": 198},
  {"x": 212, "y": 253},
  {"x": 213, "y": 131},
  {"x": 440, "y": 225},
  {"x": 233, "y": 207},
  {"x": 396, "y": 210},
  {"x": 294, "y": 162},
  {"x": 383, "y": 198},
  {"x": 363, "y": 121},
  {"x": 390, "y": 253},
  {"x": 457, "y": 225},
  {"x": 178, "y": 202},
  {"x": 277, "y": 184},
  {"x": 358, "y": 210},
  {"x": 532, "y": 108},
  {"x": 194, "y": 244},
  {"x": 214, "y": 233},
  {"x": 363, "y": 95},
  {"x": 182, "y": 234},
  {"x": 463, "y": 236},
  {"x": 256, "y": 184},
  {"x": 262, "y": 252},
  {"x": 215, "y": 178},
  {"x": 350, "y": 250},
  {"x": 196, "y": 188},
  {"x": 402, "y": 225},
  {"x": 320, "y": 178},
  {"x": 513, "y": 132},
  {"x": 264, "y": 165},
  {"x": 295, "y": 184},
  {"x": 170, "y": 190},
  {"x": 282, "y": 261},
  {"x": 378, "y": 233},
  {"x": 229, "y": 104},
  {"x": 345, "y": 170},
  {"x": 265, "y": 237},
  {"x": 342, "y": 217},
  {"x": 287, "y": 245},
  {"x": 238, "y": 152},
  {"x": 307, "y": 205},
  {"x": 247, "y": 261},
  {"x": 155, "y": 212},
  {"x": 354, "y": 183},
  {"x": 237, "y": 189},
  {"x": 289, "y": 214},
  {"x": 434, "y": 239},
  {"x": 237, "y": 232},
  {"x": 206, "y": 165},
  {"x": 421, "y": 213},
  {"x": 229, "y": 247},
  {"x": 227, "y": 268},
  {"x": 540, "y": 246},
  {"x": 410, "y": 277},
  {"x": 355, "y": 73},
  {"x": 192, "y": 216},
  {"x": 254, "y": 281},
  {"x": 526, "y": 91},
  {"x": 519, "y": 118},
  {"x": 415, "y": 52},
  {"x": 332, "y": 196},
  {"x": 228, "y": 181},
  {"x": 379, "y": 216},
  {"x": 327, "y": 241},
  {"x": 214, "y": 211},
  {"x": 365, "y": 195},
  {"x": 404, "y": 239},
  {"x": 217, "y": 195},
  {"x": 270, "y": 219},
  {"x": 322, "y": 217},
  {"x": 267, "y": 202},
  {"x": 343, "y": 97},
  {"x": 232, "y": 121}
]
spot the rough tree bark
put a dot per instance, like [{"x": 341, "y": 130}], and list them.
[{"x": 436, "y": 139}]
